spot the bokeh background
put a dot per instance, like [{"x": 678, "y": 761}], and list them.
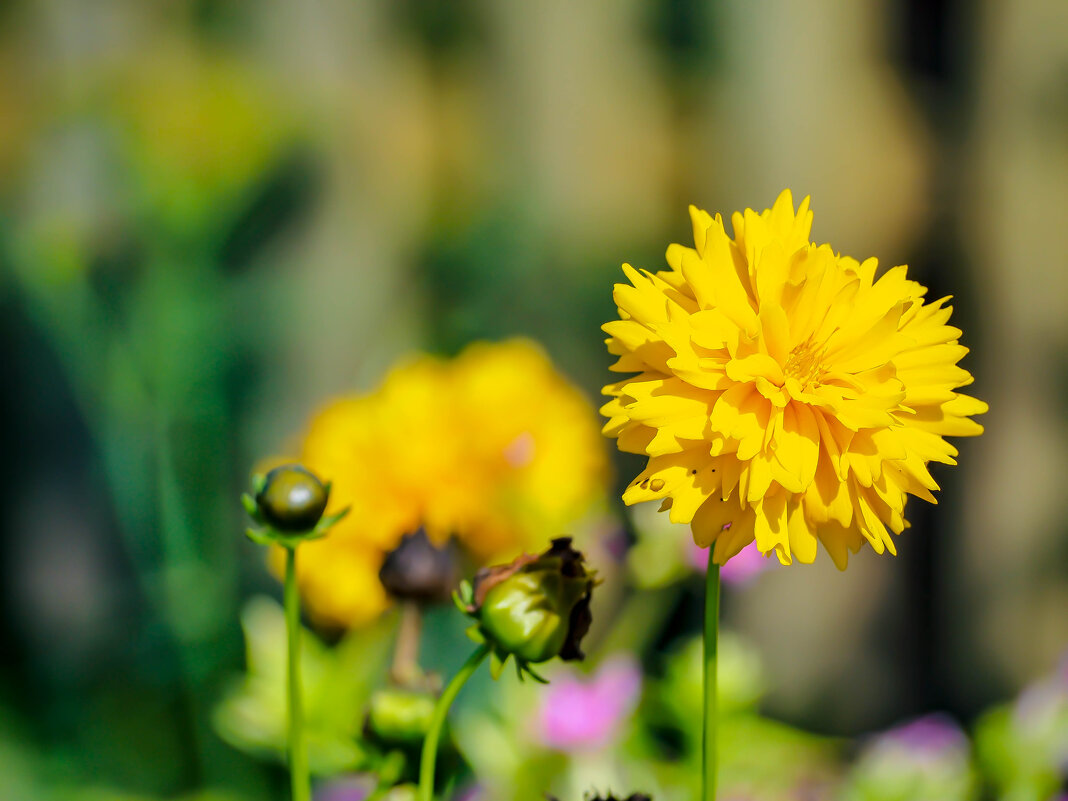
[{"x": 215, "y": 214}]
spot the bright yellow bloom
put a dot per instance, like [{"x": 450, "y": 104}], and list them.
[
  {"x": 494, "y": 448},
  {"x": 783, "y": 394}
]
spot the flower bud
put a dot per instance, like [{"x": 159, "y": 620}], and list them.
[
  {"x": 399, "y": 718},
  {"x": 535, "y": 608},
  {"x": 417, "y": 570},
  {"x": 292, "y": 499}
]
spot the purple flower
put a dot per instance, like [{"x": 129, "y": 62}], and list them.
[
  {"x": 739, "y": 569},
  {"x": 930, "y": 734},
  {"x": 354, "y": 787},
  {"x": 577, "y": 714},
  {"x": 473, "y": 792},
  {"x": 1062, "y": 679},
  {"x": 1039, "y": 703}
]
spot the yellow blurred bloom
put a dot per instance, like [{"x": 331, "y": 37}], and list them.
[
  {"x": 494, "y": 448},
  {"x": 783, "y": 394}
]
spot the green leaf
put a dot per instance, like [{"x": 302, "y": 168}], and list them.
[{"x": 338, "y": 682}]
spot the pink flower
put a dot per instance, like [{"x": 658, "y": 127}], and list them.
[
  {"x": 473, "y": 792},
  {"x": 931, "y": 734},
  {"x": 577, "y": 714},
  {"x": 352, "y": 787},
  {"x": 739, "y": 569}
]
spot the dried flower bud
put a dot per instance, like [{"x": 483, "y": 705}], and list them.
[
  {"x": 292, "y": 499},
  {"x": 535, "y": 608},
  {"x": 417, "y": 570}
]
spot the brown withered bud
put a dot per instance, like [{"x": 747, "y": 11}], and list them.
[{"x": 417, "y": 570}]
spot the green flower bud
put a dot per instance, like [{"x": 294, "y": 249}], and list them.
[
  {"x": 533, "y": 609},
  {"x": 292, "y": 499},
  {"x": 527, "y": 614},
  {"x": 287, "y": 507},
  {"x": 399, "y": 718}
]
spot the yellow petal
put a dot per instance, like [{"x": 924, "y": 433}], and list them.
[
  {"x": 751, "y": 367},
  {"x": 770, "y": 528},
  {"x": 710, "y": 519},
  {"x": 802, "y": 537}
]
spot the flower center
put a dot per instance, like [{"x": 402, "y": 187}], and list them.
[{"x": 805, "y": 363}]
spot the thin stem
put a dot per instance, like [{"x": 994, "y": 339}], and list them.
[
  {"x": 708, "y": 764},
  {"x": 437, "y": 722},
  {"x": 405, "y": 668},
  {"x": 298, "y": 757}
]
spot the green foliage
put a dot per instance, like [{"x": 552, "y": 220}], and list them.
[
  {"x": 890, "y": 771},
  {"x": 758, "y": 756},
  {"x": 1022, "y": 748},
  {"x": 400, "y": 717},
  {"x": 338, "y": 682}
]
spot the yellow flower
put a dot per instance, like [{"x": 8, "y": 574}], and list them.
[
  {"x": 783, "y": 394},
  {"x": 494, "y": 448}
]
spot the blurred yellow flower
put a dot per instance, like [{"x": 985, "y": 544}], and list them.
[
  {"x": 494, "y": 448},
  {"x": 783, "y": 394}
]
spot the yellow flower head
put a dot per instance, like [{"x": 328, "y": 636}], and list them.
[
  {"x": 494, "y": 448},
  {"x": 783, "y": 393}
]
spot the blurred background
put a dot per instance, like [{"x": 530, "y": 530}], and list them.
[{"x": 216, "y": 214}]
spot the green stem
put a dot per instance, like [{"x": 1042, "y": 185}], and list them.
[
  {"x": 437, "y": 722},
  {"x": 298, "y": 757},
  {"x": 708, "y": 764},
  {"x": 405, "y": 669}
]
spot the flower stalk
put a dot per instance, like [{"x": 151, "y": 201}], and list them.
[
  {"x": 534, "y": 609},
  {"x": 288, "y": 508},
  {"x": 437, "y": 722},
  {"x": 298, "y": 755},
  {"x": 711, "y": 717},
  {"x": 405, "y": 671}
]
